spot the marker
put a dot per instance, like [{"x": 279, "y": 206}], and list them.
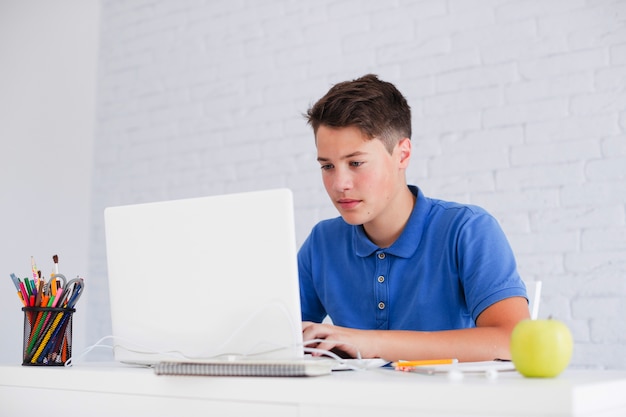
[
  {"x": 58, "y": 297},
  {"x": 44, "y": 300},
  {"x": 16, "y": 281},
  {"x": 27, "y": 285},
  {"x": 24, "y": 293},
  {"x": 33, "y": 288}
]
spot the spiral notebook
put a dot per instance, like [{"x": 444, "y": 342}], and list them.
[
  {"x": 270, "y": 368},
  {"x": 207, "y": 279}
]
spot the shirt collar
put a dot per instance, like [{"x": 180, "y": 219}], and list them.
[{"x": 409, "y": 239}]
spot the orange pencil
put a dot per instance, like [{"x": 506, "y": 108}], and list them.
[{"x": 403, "y": 365}]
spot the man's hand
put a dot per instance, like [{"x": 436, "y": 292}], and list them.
[{"x": 342, "y": 341}]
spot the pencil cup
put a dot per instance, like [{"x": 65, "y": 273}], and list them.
[{"x": 47, "y": 336}]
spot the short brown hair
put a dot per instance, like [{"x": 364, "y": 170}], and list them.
[{"x": 376, "y": 107}]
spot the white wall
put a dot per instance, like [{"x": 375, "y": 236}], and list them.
[
  {"x": 519, "y": 106},
  {"x": 47, "y": 113}
]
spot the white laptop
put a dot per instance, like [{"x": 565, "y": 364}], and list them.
[{"x": 203, "y": 279}]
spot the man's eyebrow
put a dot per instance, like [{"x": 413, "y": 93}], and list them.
[{"x": 350, "y": 155}]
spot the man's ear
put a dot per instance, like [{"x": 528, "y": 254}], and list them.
[{"x": 404, "y": 150}]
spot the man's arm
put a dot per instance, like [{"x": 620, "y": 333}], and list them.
[{"x": 487, "y": 341}]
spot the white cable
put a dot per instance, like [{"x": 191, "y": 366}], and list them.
[{"x": 254, "y": 351}]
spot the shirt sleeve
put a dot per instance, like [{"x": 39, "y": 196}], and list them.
[
  {"x": 310, "y": 304},
  {"x": 487, "y": 264}
]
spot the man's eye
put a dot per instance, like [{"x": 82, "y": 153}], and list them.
[
  {"x": 356, "y": 163},
  {"x": 326, "y": 167}
]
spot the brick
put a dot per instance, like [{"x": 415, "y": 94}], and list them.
[
  {"x": 607, "y": 33},
  {"x": 539, "y": 264},
  {"x": 607, "y": 169},
  {"x": 524, "y": 50},
  {"x": 611, "y": 79},
  {"x": 618, "y": 55},
  {"x": 533, "y": 176},
  {"x": 600, "y": 102},
  {"x": 485, "y": 160},
  {"x": 590, "y": 262},
  {"x": 569, "y": 128},
  {"x": 598, "y": 308},
  {"x": 580, "y": 18},
  {"x": 477, "y": 77},
  {"x": 546, "y": 88},
  {"x": 455, "y": 22},
  {"x": 608, "y": 330},
  {"x": 606, "y": 239},
  {"x": 460, "y": 184},
  {"x": 614, "y": 146},
  {"x": 529, "y": 9},
  {"x": 500, "y": 33},
  {"x": 526, "y": 112},
  {"x": 599, "y": 356},
  {"x": 496, "y": 138},
  {"x": 427, "y": 48},
  {"x": 543, "y": 242},
  {"x": 460, "y": 101},
  {"x": 564, "y": 63},
  {"x": 456, "y": 60},
  {"x": 557, "y": 154},
  {"x": 586, "y": 218}
]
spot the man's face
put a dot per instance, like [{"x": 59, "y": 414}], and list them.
[{"x": 359, "y": 174}]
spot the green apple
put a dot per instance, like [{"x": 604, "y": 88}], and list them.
[{"x": 541, "y": 348}]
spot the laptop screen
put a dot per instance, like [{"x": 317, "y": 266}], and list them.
[{"x": 203, "y": 278}]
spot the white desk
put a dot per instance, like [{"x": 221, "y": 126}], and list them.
[{"x": 110, "y": 390}]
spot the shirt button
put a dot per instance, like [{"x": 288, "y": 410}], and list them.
[
  {"x": 381, "y": 279},
  {"x": 381, "y": 256},
  {"x": 381, "y": 306}
]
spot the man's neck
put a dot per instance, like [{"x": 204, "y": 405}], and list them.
[{"x": 388, "y": 227}]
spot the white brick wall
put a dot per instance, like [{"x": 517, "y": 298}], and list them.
[{"x": 519, "y": 106}]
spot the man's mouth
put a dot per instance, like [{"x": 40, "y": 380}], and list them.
[{"x": 348, "y": 203}]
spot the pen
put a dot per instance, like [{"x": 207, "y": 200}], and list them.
[
  {"x": 39, "y": 292},
  {"x": 34, "y": 268}
]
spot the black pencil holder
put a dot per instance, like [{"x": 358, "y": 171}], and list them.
[{"x": 47, "y": 336}]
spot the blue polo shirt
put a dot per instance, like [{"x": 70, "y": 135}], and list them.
[{"x": 450, "y": 263}]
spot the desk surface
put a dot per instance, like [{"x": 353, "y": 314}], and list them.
[{"x": 107, "y": 389}]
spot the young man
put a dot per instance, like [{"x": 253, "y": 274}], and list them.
[{"x": 401, "y": 275}]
